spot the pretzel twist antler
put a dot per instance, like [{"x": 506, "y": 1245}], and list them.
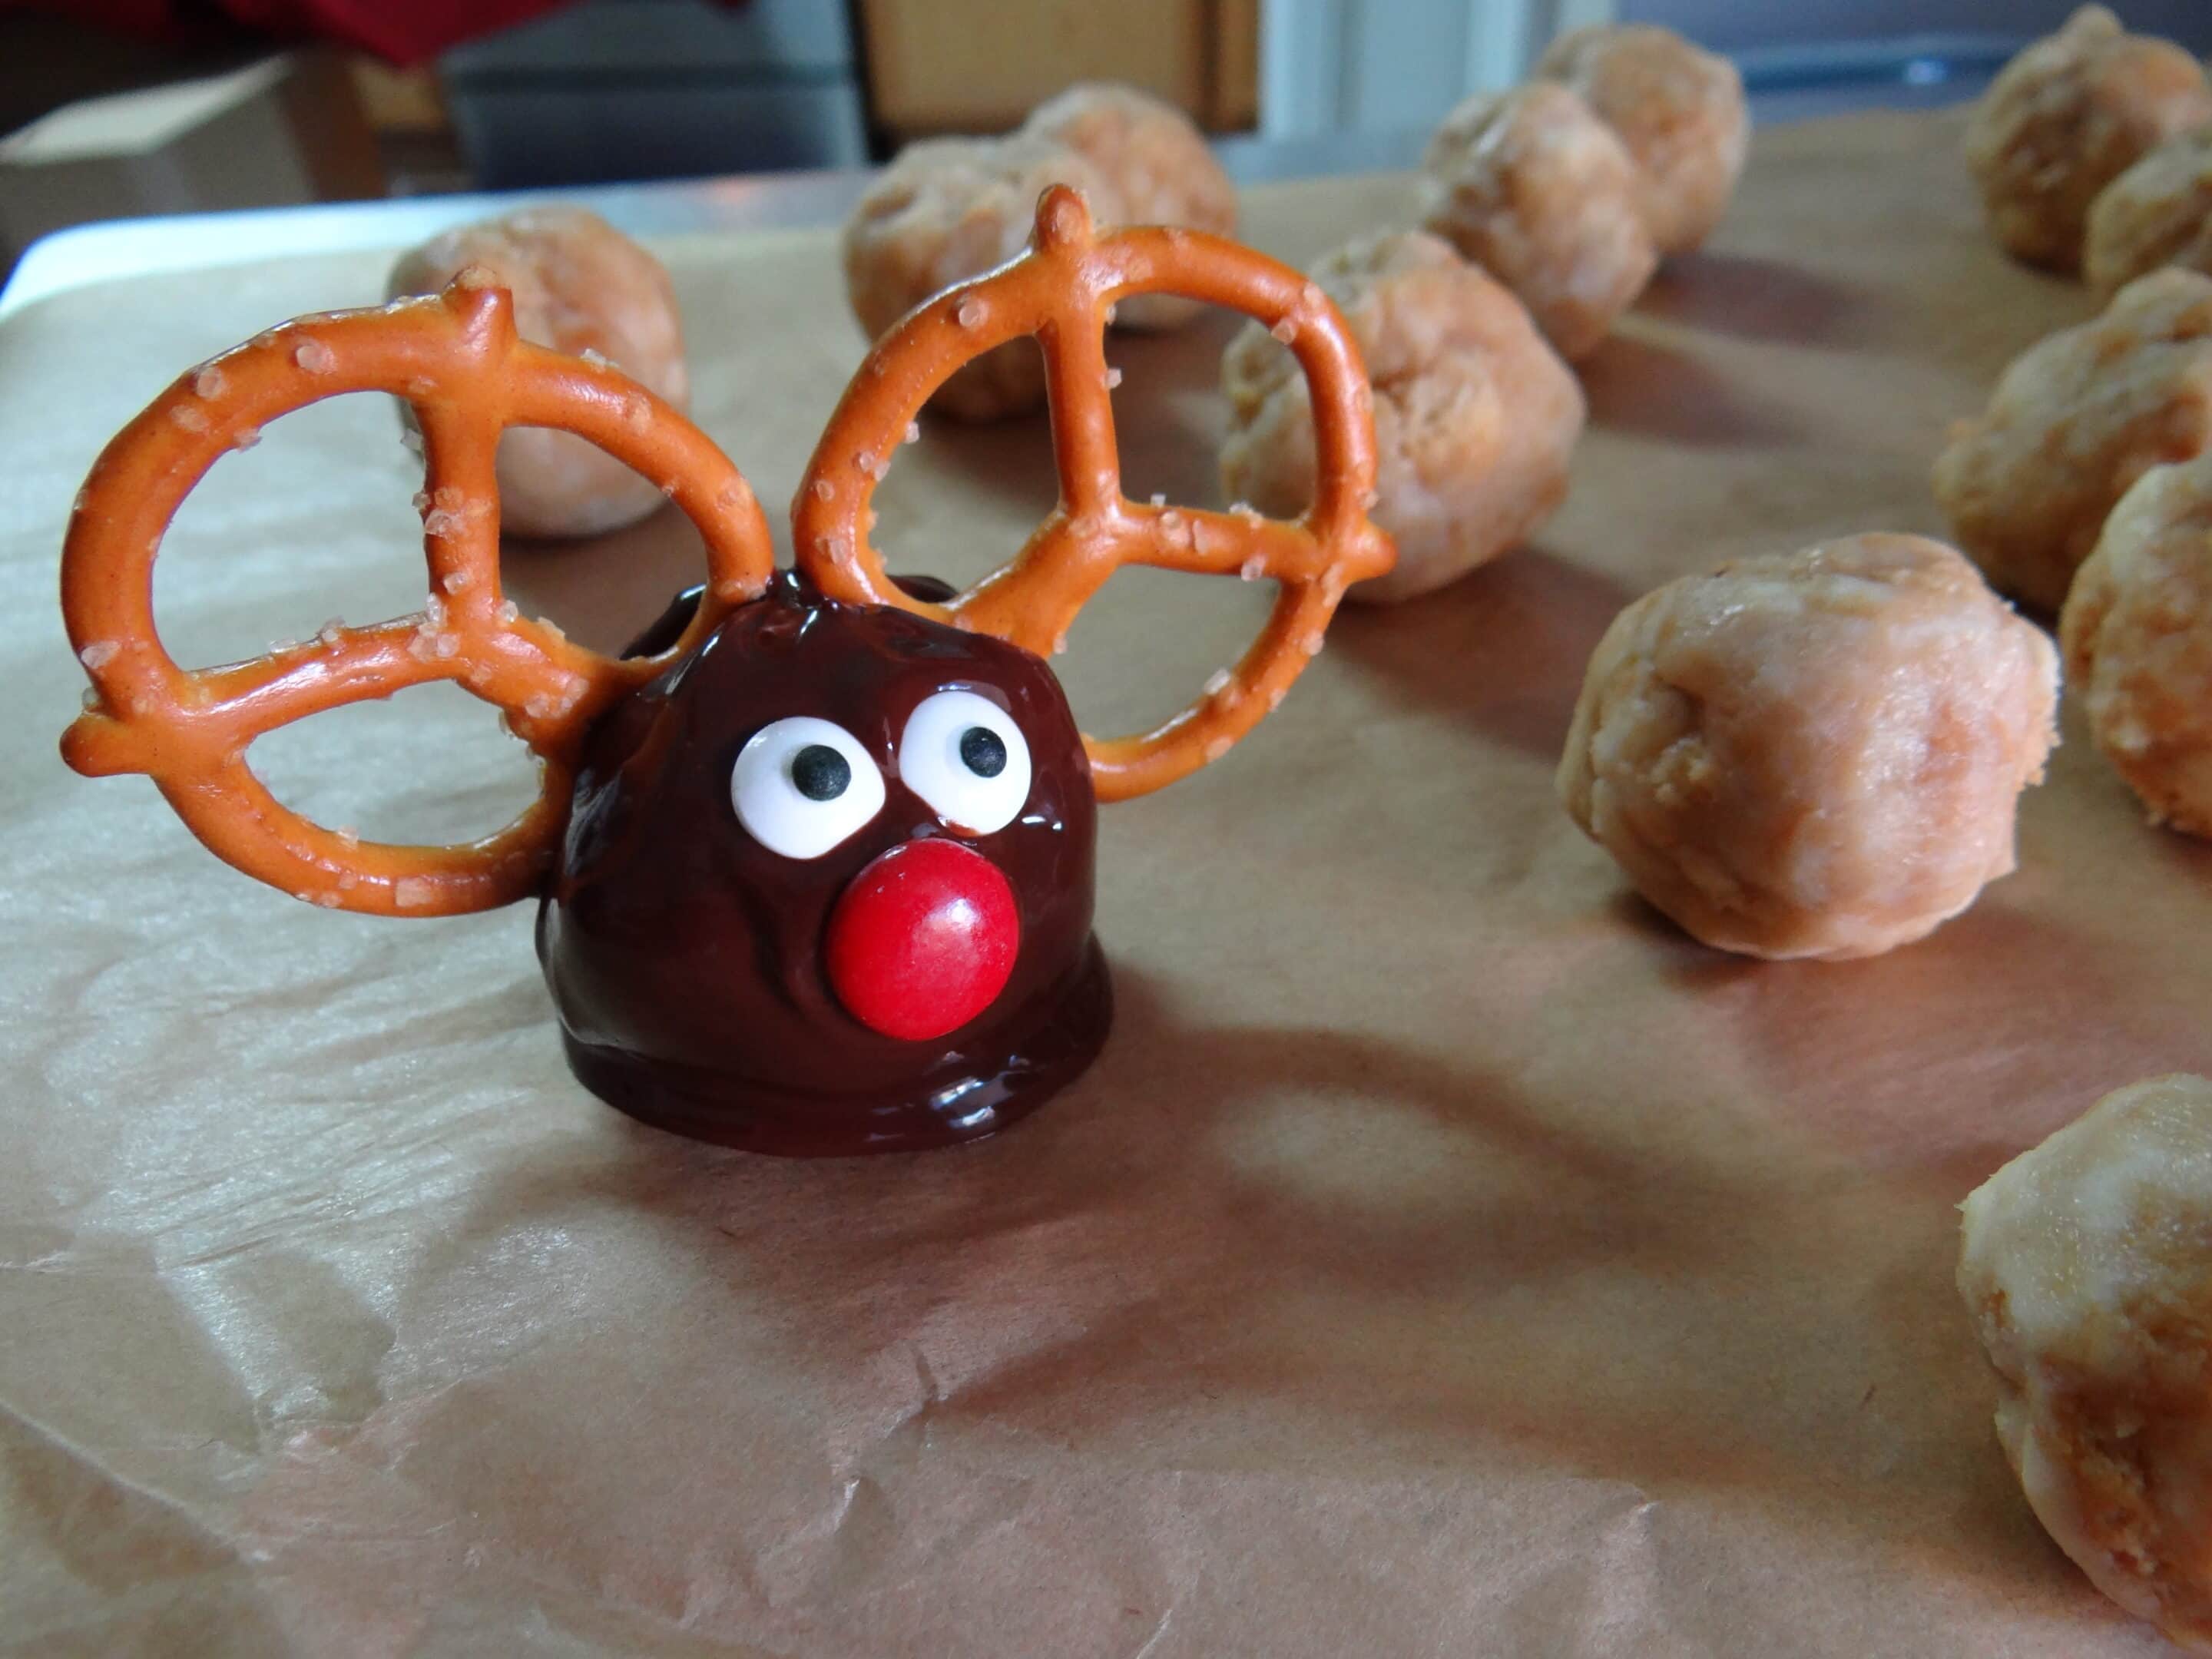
[
  {"x": 1058, "y": 291},
  {"x": 456, "y": 359}
]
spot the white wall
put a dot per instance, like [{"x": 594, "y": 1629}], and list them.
[
  {"x": 1730, "y": 25},
  {"x": 1388, "y": 65},
  {"x": 1330, "y": 66}
]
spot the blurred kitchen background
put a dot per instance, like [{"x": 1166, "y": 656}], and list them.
[{"x": 120, "y": 108}]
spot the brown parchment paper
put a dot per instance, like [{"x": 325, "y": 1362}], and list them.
[{"x": 1444, "y": 1257}]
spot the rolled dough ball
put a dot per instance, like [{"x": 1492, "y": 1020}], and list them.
[
  {"x": 1813, "y": 756},
  {"x": 2076, "y": 419},
  {"x": 1681, "y": 111},
  {"x": 2088, "y": 1267},
  {"x": 949, "y": 208},
  {"x": 2137, "y": 636},
  {"x": 2067, "y": 117},
  {"x": 2159, "y": 212},
  {"x": 1160, "y": 167},
  {"x": 1474, "y": 415},
  {"x": 1540, "y": 193},
  {"x": 579, "y": 285}
]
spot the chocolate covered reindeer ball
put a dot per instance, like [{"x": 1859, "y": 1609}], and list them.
[
  {"x": 835, "y": 833},
  {"x": 814, "y": 858}
]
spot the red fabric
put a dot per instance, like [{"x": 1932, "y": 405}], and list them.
[
  {"x": 398, "y": 31},
  {"x": 157, "y": 17}
]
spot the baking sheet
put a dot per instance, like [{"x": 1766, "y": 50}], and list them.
[{"x": 1444, "y": 1256}]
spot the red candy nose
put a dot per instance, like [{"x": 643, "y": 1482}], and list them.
[{"x": 923, "y": 940}]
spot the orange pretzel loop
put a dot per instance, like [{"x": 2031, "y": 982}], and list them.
[
  {"x": 1058, "y": 291},
  {"x": 456, "y": 360}
]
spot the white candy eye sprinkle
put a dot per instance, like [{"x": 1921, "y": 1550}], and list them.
[
  {"x": 802, "y": 785},
  {"x": 966, "y": 759}
]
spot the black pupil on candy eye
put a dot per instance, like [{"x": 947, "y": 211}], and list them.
[
  {"x": 820, "y": 773},
  {"x": 983, "y": 751}
]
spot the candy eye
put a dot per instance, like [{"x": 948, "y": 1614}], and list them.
[
  {"x": 964, "y": 756},
  {"x": 801, "y": 785}
]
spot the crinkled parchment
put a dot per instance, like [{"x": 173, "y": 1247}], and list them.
[{"x": 1444, "y": 1257}]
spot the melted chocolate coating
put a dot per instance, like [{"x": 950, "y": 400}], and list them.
[{"x": 686, "y": 959}]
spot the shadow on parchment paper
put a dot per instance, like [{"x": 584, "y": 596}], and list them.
[
  {"x": 165, "y": 1583},
  {"x": 1267, "y": 1228},
  {"x": 2187, "y": 856},
  {"x": 1639, "y": 385},
  {"x": 1503, "y": 649},
  {"x": 1948, "y": 1056},
  {"x": 1754, "y": 298}
]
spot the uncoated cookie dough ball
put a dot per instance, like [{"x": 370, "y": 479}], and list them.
[
  {"x": 1474, "y": 415},
  {"x": 2159, "y": 212},
  {"x": 2137, "y": 636},
  {"x": 579, "y": 285},
  {"x": 2088, "y": 1268},
  {"x": 1540, "y": 193},
  {"x": 2067, "y": 117},
  {"x": 1812, "y": 756},
  {"x": 2075, "y": 420},
  {"x": 1159, "y": 165},
  {"x": 1681, "y": 111},
  {"x": 949, "y": 208}
]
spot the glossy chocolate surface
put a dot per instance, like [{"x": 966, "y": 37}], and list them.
[{"x": 686, "y": 958}]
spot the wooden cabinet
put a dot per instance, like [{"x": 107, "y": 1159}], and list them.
[{"x": 937, "y": 66}]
